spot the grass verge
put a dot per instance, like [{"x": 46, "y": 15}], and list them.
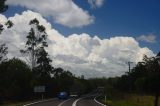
[{"x": 131, "y": 100}]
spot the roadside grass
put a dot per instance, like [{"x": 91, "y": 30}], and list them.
[{"x": 131, "y": 100}]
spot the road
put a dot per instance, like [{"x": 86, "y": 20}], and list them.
[
  {"x": 84, "y": 101},
  {"x": 54, "y": 102},
  {"x": 89, "y": 101}
]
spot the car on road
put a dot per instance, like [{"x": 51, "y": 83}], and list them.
[{"x": 63, "y": 95}]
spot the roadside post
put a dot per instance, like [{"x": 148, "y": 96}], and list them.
[
  {"x": 105, "y": 98},
  {"x": 40, "y": 89}
]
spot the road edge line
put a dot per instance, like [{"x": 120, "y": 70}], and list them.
[
  {"x": 38, "y": 102},
  {"x": 99, "y": 102}
]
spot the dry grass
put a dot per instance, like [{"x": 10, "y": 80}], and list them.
[{"x": 132, "y": 100}]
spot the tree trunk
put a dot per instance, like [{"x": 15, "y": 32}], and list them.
[{"x": 156, "y": 99}]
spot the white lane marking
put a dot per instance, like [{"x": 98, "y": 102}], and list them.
[
  {"x": 75, "y": 102},
  {"x": 39, "y": 102},
  {"x": 99, "y": 102},
  {"x": 63, "y": 102}
]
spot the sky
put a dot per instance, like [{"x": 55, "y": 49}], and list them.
[{"x": 91, "y": 37}]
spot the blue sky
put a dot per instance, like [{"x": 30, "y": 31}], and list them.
[
  {"x": 115, "y": 18},
  {"x": 125, "y": 30}
]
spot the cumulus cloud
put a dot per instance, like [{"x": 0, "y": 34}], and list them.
[
  {"x": 95, "y": 3},
  {"x": 81, "y": 54},
  {"x": 147, "y": 38},
  {"x": 64, "y": 12}
]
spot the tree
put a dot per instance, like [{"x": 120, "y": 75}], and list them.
[
  {"x": 3, "y": 7},
  {"x": 57, "y": 72},
  {"x": 63, "y": 79},
  {"x": 146, "y": 76},
  {"x": 15, "y": 80},
  {"x": 39, "y": 60},
  {"x": 153, "y": 79},
  {"x": 3, "y": 52},
  {"x": 8, "y": 24},
  {"x": 36, "y": 39},
  {"x": 43, "y": 69},
  {"x": 3, "y": 48}
]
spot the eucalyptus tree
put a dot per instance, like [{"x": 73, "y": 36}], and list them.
[
  {"x": 3, "y": 7},
  {"x": 9, "y": 24},
  {"x": 36, "y": 39},
  {"x": 3, "y": 52},
  {"x": 35, "y": 50}
]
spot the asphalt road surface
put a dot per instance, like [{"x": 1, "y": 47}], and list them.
[
  {"x": 54, "y": 102},
  {"x": 89, "y": 101},
  {"x": 84, "y": 101}
]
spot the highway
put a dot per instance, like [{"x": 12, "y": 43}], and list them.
[
  {"x": 83, "y": 101},
  {"x": 54, "y": 102},
  {"x": 89, "y": 101}
]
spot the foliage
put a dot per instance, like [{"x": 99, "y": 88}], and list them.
[
  {"x": 9, "y": 24},
  {"x": 3, "y": 52},
  {"x": 131, "y": 100},
  {"x": 3, "y": 7},
  {"x": 36, "y": 40},
  {"x": 15, "y": 79},
  {"x": 43, "y": 70},
  {"x": 144, "y": 78}
]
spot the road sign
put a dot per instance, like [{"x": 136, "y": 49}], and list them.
[{"x": 39, "y": 89}]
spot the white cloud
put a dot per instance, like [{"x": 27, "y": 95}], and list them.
[
  {"x": 81, "y": 54},
  {"x": 64, "y": 12},
  {"x": 147, "y": 38},
  {"x": 3, "y": 19},
  {"x": 95, "y": 3}
]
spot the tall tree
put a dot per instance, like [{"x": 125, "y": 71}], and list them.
[
  {"x": 3, "y": 7},
  {"x": 43, "y": 68},
  {"x": 36, "y": 39},
  {"x": 3, "y": 52},
  {"x": 147, "y": 76},
  {"x": 3, "y": 48},
  {"x": 154, "y": 76},
  {"x": 9, "y": 24}
]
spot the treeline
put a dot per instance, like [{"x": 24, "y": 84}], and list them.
[
  {"x": 18, "y": 77},
  {"x": 18, "y": 81},
  {"x": 143, "y": 79}
]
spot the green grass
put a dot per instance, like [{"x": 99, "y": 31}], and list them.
[{"x": 132, "y": 100}]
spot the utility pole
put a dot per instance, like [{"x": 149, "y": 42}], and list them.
[{"x": 129, "y": 66}]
